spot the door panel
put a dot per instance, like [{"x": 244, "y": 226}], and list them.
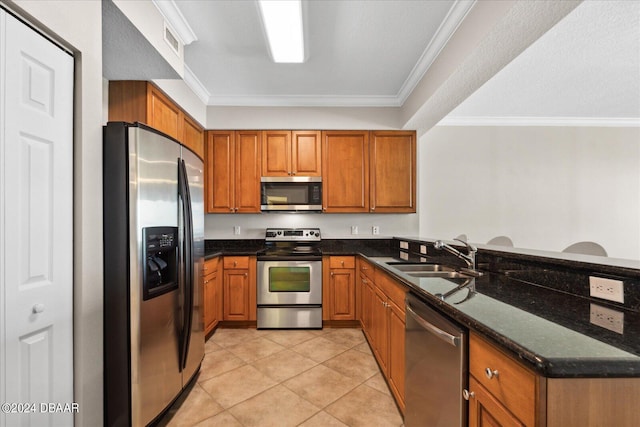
[
  {"x": 36, "y": 223},
  {"x": 155, "y": 375},
  {"x": 195, "y": 173}
]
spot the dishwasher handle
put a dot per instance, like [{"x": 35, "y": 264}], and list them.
[{"x": 439, "y": 333}]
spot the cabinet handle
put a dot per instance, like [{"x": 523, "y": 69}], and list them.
[
  {"x": 466, "y": 394},
  {"x": 231, "y": 209},
  {"x": 245, "y": 274},
  {"x": 365, "y": 281},
  {"x": 342, "y": 263},
  {"x": 206, "y": 281},
  {"x": 235, "y": 263},
  {"x": 293, "y": 173},
  {"x": 373, "y": 209},
  {"x": 490, "y": 373}
]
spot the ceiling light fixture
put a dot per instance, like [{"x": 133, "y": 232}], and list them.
[{"x": 282, "y": 21}]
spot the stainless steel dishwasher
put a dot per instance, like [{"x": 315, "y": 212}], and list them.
[{"x": 436, "y": 368}]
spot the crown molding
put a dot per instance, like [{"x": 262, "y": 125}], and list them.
[
  {"x": 541, "y": 121},
  {"x": 196, "y": 85},
  {"x": 447, "y": 28},
  {"x": 303, "y": 101},
  {"x": 176, "y": 19},
  {"x": 450, "y": 24}
]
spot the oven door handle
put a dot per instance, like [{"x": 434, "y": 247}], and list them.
[{"x": 439, "y": 333}]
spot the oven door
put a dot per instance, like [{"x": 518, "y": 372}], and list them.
[{"x": 289, "y": 282}]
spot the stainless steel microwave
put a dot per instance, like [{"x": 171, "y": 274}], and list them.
[{"x": 291, "y": 194}]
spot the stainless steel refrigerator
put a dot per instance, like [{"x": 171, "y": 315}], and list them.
[{"x": 153, "y": 259}]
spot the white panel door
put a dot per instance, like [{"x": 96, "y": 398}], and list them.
[{"x": 36, "y": 207}]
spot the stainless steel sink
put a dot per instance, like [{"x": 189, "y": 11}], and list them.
[
  {"x": 414, "y": 268},
  {"x": 443, "y": 274}
]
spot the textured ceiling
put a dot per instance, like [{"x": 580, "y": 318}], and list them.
[
  {"x": 358, "y": 52},
  {"x": 587, "y": 66}
]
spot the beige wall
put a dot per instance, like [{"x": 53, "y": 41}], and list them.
[
  {"x": 77, "y": 25},
  {"x": 545, "y": 187}
]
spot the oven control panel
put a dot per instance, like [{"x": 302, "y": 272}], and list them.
[{"x": 292, "y": 234}]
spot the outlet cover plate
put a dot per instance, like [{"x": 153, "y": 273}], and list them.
[
  {"x": 607, "y": 318},
  {"x": 609, "y": 289}
]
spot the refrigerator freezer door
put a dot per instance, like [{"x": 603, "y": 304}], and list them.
[
  {"x": 195, "y": 353},
  {"x": 154, "y": 328}
]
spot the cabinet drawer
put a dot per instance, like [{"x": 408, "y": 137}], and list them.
[
  {"x": 366, "y": 268},
  {"x": 394, "y": 290},
  {"x": 507, "y": 380},
  {"x": 342, "y": 262},
  {"x": 211, "y": 265},
  {"x": 231, "y": 262}
]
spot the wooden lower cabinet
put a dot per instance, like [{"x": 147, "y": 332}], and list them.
[
  {"x": 382, "y": 315},
  {"x": 239, "y": 288},
  {"x": 212, "y": 304},
  {"x": 486, "y": 411},
  {"x": 504, "y": 392},
  {"x": 339, "y": 291},
  {"x": 396, "y": 363}
]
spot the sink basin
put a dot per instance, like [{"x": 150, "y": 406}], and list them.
[
  {"x": 443, "y": 274},
  {"x": 413, "y": 268}
]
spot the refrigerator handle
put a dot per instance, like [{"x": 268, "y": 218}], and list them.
[{"x": 188, "y": 288}]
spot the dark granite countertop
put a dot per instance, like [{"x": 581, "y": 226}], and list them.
[{"x": 548, "y": 328}]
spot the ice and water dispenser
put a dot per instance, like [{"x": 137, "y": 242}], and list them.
[{"x": 160, "y": 255}]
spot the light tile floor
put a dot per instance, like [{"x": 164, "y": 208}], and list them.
[{"x": 284, "y": 378}]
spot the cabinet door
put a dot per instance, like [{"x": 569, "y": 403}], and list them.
[
  {"x": 276, "y": 153},
  {"x": 393, "y": 171},
  {"x": 216, "y": 312},
  {"x": 220, "y": 172},
  {"x": 380, "y": 329},
  {"x": 209, "y": 302},
  {"x": 164, "y": 115},
  {"x": 247, "y": 171},
  {"x": 345, "y": 171},
  {"x": 396, "y": 352},
  {"x": 367, "y": 307},
  {"x": 486, "y": 411},
  {"x": 342, "y": 294},
  {"x": 306, "y": 158},
  {"x": 193, "y": 136},
  {"x": 236, "y": 295}
]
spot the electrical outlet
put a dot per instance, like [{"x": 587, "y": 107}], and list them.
[
  {"x": 423, "y": 249},
  {"x": 607, "y": 318},
  {"x": 236, "y": 230},
  {"x": 404, "y": 256},
  {"x": 375, "y": 230},
  {"x": 354, "y": 229},
  {"x": 609, "y": 289},
  {"x": 404, "y": 245}
]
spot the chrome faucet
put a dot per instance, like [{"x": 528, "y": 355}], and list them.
[{"x": 469, "y": 258}]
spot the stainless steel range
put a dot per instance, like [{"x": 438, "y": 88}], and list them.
[{"x": 290, "y": 279}]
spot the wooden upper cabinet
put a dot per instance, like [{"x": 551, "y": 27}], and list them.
[
  {"x": 163, "y": 114},
  {"x": 291, "y": 153},
  {"x": 306, "y": 153},
  {"x": 276, "y": 153},
  {"x": 193, "y": 136},
  {"x": 345, "y": 171},
  {"x": 393, "y": 171},
  {"x": 220, "y": 171},
  {"x": 232, "y": 177},
  {"x": 142, "y": 101},
  {"x": 247, "y": 171}
]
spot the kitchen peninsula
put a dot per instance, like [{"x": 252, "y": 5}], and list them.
[{"x": 527, "y": 312}]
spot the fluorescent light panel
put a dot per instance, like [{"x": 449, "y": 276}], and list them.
[{"x": 283, "y": 24}]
